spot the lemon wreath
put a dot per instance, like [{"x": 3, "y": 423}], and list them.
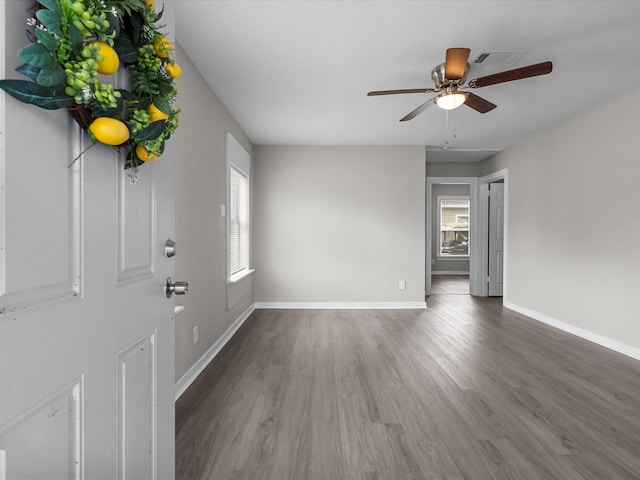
[{"x": 76, "y": 46}]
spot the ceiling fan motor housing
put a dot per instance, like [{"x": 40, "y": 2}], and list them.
[{"x": 437, "y": 75}]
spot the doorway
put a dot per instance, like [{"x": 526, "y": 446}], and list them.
[
  {"x": 452, "y": 264},
  {"x": 478, "y": 230}
]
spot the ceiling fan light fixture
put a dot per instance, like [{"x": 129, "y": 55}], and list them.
[{"x": 450, "y": 101}]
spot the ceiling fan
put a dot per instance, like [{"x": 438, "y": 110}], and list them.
[{"x": 449, "y": 78}]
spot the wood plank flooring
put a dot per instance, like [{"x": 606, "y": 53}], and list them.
[
  {"x": 464, "y": 390},
  {"x": 450, "y": 284}
]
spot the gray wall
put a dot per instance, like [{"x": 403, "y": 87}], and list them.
[
  {"x": 446, "y": 264},
  {"x": 453, "y": 169},
  {"x": 339, "y": 224},
  {"x": 200, "y": 229},
  {"x": 573, "y": 221}
]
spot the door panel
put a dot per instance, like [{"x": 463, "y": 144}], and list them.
[
  {"x": 35, "y": 236},
  {"x": 50, "y": 429},
  {"x": 86, "y": 331},
  {"x": 136, "y": 395},
  {"x": 136, "y": 226},
  {"x": 496, "y": 238}
]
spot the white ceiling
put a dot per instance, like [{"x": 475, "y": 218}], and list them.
[{"x": 297, "y": 72}]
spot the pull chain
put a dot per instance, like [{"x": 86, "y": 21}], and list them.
[
  {"x": 451, "y": 135},
  {"x": 446, "y": 123}
]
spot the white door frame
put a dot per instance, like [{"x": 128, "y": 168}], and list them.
[
  {"x": 473, "y": 228},
  {"x": 482, "y": 263}
]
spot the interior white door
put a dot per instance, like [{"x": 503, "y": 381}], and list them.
[
  {"x": 496, "y": 238},
  {"x": 86, "y": 331}
]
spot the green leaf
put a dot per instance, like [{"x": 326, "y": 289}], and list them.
[
  {"x": 152, "y": 132},
  {"x": 114, "y": 23},
  {"x": 48, "y": 40},
  {"x": 33, "y": 72},
  {"x": 137, "y": 22},
  {"x": 126, "y": 50},
  {"x": 28, "y": 71},
  {"x": 128, "y": 96},
  {"x": 51, "y": 76},
  {"x": 37, "y": 55},
  {"x": 75, "y": 37},
  {"x": 34, "y": 94},
  {"x": 163, "y": 104},
  {"x": 132, "y": 159},
  {"x": 51, "y": 5},
  {"x": 50, "y": 20},
  {"x": 165, "y": 86},
  {"x": 133, "y": 163},
  {"x": 109, "y": 112}
]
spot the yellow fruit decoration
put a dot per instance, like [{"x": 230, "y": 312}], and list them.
[
  {"x": 162, "y": 45},
  {"x": 145, "y": 156},
  {"x": 110, "y": 60},
  {"x": 109, "y": 131},
  {"x": 151, "y": 4},
  {"x": 156, "y": 114},
  {"x": 173, "y": 70}
]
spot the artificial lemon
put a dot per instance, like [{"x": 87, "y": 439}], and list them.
[
  {"x": 145, "y": 156},
  {"x": 156, "y": 114},
  {"x": 109, "y": 131},
  {"x": 173, "y": 70},
  {"x": 151, "y": 4},
  {"x": 110, "y": 61},
  {"x": 162, "y": 46}
]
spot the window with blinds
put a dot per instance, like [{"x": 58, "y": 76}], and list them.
[
  {"x": 238, "y": 221},
  {"x": 238, "y": 214}
]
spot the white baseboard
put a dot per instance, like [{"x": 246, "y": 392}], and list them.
[
  {"x": 449, "y": 272},
  {"x": 341, "y": 305},
  {"x": 197, "y": 368},
  {"x": 609, "y": 343}
]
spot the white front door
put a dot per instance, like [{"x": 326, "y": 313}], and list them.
[
  {"x": 496, "y": 238},
  {"x": 86, "y": 331}
]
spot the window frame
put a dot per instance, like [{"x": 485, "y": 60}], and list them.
[
  {"x": 238, "y": 160},
  {"x": 450, "y": 256}
]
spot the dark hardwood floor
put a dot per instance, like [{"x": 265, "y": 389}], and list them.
[
  {"x": 450, "y": 284},
  {"x": 464, "y": 390}
]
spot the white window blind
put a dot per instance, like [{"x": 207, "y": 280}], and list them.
[
  {"x": 238, "y": 221},
  {"x": 238, "y": 211}
]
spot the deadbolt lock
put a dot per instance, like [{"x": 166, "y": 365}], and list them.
[{"x": 170, "y": 248}]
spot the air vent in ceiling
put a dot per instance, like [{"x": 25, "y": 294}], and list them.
[{"x": 498, "y": 58}]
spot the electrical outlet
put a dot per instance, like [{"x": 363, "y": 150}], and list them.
[
  {"x": 402, "y": 285},
  {"x": 195, "y": 335}
]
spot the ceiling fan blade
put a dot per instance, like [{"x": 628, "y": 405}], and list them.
[
  {"x": 417, "y": 111},
  {"x": 456, "y": 63},
  {"x": 479, "y": 104},
  {"x": 511, "y": 75},
  {"x": 395, "y": 92}
]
